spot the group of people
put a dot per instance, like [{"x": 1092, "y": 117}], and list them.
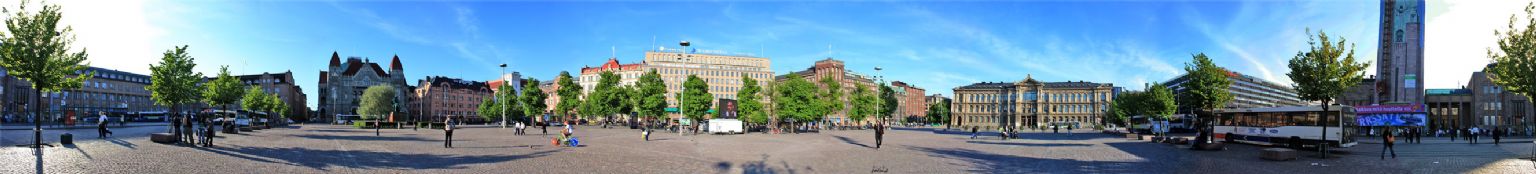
[
  {"x": 1470, "y": 135},
  {"x": 187, "y": 130}
]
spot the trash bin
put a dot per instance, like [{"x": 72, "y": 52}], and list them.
[{"x": 67, "y": 138}]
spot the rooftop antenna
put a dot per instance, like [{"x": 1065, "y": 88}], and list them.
[
  {"x": 653, "y": 43},
  {"x": 829, "y": 50},
  {"x": 614, "y": 50}
]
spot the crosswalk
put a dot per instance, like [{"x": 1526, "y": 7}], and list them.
[{"x": 1446, "y": 150}]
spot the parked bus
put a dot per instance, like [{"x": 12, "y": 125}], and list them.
[
  {"x": 1180, "y": 123},
  {"x": 1296, "y": 127}
]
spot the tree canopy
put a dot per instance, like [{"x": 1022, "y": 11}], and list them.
[
  {"x": 36, "y": 50},
  {"x": 171, "y": 81},
  {"x": 696, "y": 100},
  {"x": 829, "y": 98},
  {"x": 1514, "y": 64},
  {"x": 653, "y": 95},
  {"x": 1208, "y": 87},
  {"x": 864, "y": 103},
  {"x": 377, "y": 101},
  {"x": 223, "y": 90},
  {"x": 749, "y": 101},
  {"x": 569, "y": 92},
  {"x": 795, "y": 98},
  {"x": 533, "y": 99},
  {"x": 1320, "y": 74}
]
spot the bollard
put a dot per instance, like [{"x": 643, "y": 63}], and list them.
[{"x": 66, "y": 138}]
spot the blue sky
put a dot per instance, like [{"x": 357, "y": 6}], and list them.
[{"x": 934, "y": 45}]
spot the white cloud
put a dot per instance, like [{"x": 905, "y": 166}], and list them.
[
  {"x": 117, "y": 34},
  {"x": 1457, "y": 41}
]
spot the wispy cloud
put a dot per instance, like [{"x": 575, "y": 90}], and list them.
[{"x": 1459, "y": 38}]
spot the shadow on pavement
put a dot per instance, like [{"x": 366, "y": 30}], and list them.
[
  {"x": 367, "y": 138},
  {"x": 755, "y": 167},
  {"x": 850, "y": 141},
  {"x": 986, "y": 162},
  {"x": 1027, "y": 144},
  {"x": 120, "y": 142},
  {"x": 320, "y": 159}
]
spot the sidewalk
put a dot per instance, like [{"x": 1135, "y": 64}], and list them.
[
  {"x": 46, "y": 126},
  {"x": 1447, "y": 140}
]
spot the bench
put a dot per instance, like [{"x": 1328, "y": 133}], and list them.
[
  {"x": 163, "y": 138},
  {"x": 1278, "y": 154},
  {"x": 1132, "y": 136}
]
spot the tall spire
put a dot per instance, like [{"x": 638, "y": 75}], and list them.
[
  {"x": 394, "y": 65},
  {"x": 335, "y": 59}
]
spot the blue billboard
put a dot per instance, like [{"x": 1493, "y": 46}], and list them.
[{"x": 1391, "y": 119}]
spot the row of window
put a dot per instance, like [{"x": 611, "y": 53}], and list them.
[{"x": 1031, "y": 96}]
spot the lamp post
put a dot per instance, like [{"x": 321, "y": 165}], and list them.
[
  {"x": 881, "y": 96},
  {"x": 680, "y": 95},
  {"x": 499, "y": 96}
]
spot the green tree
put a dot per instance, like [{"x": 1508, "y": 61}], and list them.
[
  {"x": 1514, "y": 65},
  {"x": 749, "y": 102},
  {"x": 1320, "y": 75},
  {"x": 830, "y": 99},
  {"x": 570, "y": 94},
  {"x": 653, "y": 93},
  {"x": 1158, "y": 103},
  {"x": 795, "y": 100},
  {"x": 606, "y": 97},
  {"x": 254, "y": 99},
  {"x": 696, "y": 100},
  {"x": 533, "y": 99},
  {"x": 36, "y": 51},
  {"x": 489, "y": 109},
  {"x": 223, "y": 90},
  {"x": 1206, "y": 91},
  {"x": 863, "y": 103},
  {"x": 507, "y": 104},
  {"x": 171, "y": 81},
  {"x": 277, "y": 108},
  {"x": 887, "y": 103},
  {"x": 1124, "y": 106},
  {"x": 627, "y": 97},
  {"x": 377, "y": 101},
  {"x": 939, "y": 113}
]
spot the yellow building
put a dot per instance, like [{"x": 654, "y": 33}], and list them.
[{"x": 1031, "y": 104}]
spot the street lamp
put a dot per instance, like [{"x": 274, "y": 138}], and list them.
[
  {"x": 881, "y": 96},
  {"x": 499, "y": 96},
  {"x": 680, "y": 95}
]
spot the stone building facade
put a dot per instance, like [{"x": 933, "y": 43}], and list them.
[
  {"x": 1031, "y": 104},
  {"x": 112, "y": 91},
  {"x": 911, "y": 101},
  {"x": 281, "y": 84},
  {"x": 342, "y": 85},
  {"x": 442, "y": 97}
]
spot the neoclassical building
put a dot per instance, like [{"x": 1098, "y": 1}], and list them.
[
  {"x": 342, "y": 86},
  {"x": 1029, "y": 104}
]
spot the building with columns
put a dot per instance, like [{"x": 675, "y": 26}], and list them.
[
  {"x": 1030, "y": 103},
  {"x": 342, "y": 85}
]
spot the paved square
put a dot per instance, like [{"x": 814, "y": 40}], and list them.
[{"x": 487, "y": 149}]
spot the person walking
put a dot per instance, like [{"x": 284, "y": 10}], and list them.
[
  {"x": 973, "y": 132},
  {"x": 208, "y": 132},
  {"x": 448, "y": 133},
  {"x": 879, "y": 135},
  {"x": 1475, "y": 133},
  {"x": 101, "y": 126},
  {"x": 1387, "y": 140},
  {"x": 1498, "y": 134},
  {"x": 1069, "y": 129}
]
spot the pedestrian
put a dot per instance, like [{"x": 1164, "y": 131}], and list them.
[
  {"x": 448, "y": 132},
  {"x": 122, "y": 121},
  {"x": 973, "y": 132},
  {"x": 1069, "y": 129},
  {"x": 879, "y": 135},
  {"x": 544, "y": 128},
  {"x": 209, "y": 131},
  {"x": 1497, "y": 135},
  {"x": 176, "y": 126},
  {"x": 1475, "y": 133},
  {"x": 1388, "y": 139},
  {"x": 1055, "y": 129},
  {"x": 1413, "y": 135},
  {"x": 101, "y": 126}
]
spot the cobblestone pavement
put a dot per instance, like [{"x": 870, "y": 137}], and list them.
[{"x": 485, "y": 149}]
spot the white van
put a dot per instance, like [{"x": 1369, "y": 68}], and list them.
[{"x": 722, "y": 126}]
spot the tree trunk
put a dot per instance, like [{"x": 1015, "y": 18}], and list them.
[
  {"x": 1323, "y": 148},
  {"x": 37, "y": 119}
]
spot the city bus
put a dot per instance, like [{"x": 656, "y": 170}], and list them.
[
  {"x": 1296, "y": 126},
  {"x": 1180, "y": 123}
]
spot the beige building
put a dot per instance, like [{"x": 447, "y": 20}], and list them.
[
  {"x": 1030, "y": 103},
  {"x": 439, "y": 97}
]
